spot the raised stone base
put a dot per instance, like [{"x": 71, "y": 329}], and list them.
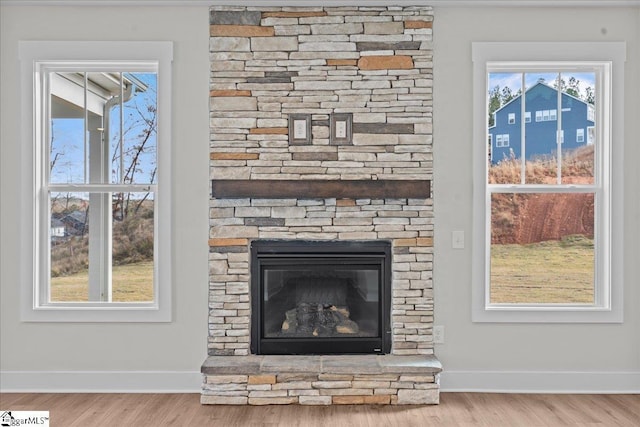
[{"x": 321, "y": 380}]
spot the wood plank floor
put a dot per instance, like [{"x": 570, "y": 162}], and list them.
[{"x": 455, "y": 409}]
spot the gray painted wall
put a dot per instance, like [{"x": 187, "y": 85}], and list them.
[{"x": 518, "y": 347}]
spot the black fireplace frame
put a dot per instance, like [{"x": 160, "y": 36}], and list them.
[{"x": 267, "y": 253}]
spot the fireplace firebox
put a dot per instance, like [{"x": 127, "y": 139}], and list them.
[{"x": 320, "y": 297}]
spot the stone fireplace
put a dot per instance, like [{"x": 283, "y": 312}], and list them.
[{"x": 329, "y": 231}]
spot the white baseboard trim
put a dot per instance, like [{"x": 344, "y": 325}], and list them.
[
  {"x": 190, "y": 382},
  {"x": 100, "y": 381},
  {"x": 540, "y": 382}
]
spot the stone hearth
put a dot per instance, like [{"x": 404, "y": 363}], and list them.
[
  {"x": 374, "y": 63},
  {"x": 320, "y": 380}
]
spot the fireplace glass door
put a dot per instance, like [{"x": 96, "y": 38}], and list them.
[{"x": 320, "y": 297}]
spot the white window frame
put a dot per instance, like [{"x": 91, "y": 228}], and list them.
[
  {"x": 580, "y": 135},
  {"x": 608, "y": 307},
  {"x": 527, "y": 117},
  {"x": 590, "y": 134},
  {"x": 512, "y": 118},
  {"x": 35, "y": 57},
  {"x": 503, "y": 140},
  {"x": 538, "y": 115}
]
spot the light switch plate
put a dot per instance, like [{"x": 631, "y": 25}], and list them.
[
  {"x": 299, "y": 129},
  {"x": 341, "y": 129}
]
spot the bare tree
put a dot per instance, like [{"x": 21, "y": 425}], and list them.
[{"x": 144, "y": 122}]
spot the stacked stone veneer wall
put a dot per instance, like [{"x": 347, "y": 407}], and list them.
[
  {"x": 375, "y": 63},
  {"x": 268, "y": 63}
]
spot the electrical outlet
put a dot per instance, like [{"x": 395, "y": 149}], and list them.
[{"x": 438, "y": 334}]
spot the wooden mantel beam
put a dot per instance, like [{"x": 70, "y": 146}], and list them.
[{"x": 315, "y": 189}]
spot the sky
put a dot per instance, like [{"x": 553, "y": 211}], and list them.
[
  {"x": 68, "y": 142},
  {"x": 514, "y": 80}
]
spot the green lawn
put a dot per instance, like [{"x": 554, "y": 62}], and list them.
[
  {"x": 545, "y": 272},
  {"x": 130, "y": 282}
]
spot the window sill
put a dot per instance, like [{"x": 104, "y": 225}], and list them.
[
  {"x": 546, "y": 314},
  {"x": 113, "y": 314}
]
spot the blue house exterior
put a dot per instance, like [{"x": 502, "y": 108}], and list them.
[{"x": 541, "y": 124}]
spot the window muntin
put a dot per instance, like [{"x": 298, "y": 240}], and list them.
[
  {"x": 606, "y": 60},
  {"x": 99, "y": 155}
]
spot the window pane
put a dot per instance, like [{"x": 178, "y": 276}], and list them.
[
  {"x": 504, "y": 127},
  {"x": 542, "y": 248},
  {"x": 133, "y": 158},
  {"x": 578, "y": 116},
  {"x": 540, "y": 136},
  {"x": 69, "y": 236},
  {"x": 132, "y": 249},
  {"x": 67, "y": 127}
]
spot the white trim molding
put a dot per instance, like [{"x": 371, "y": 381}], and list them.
[
  {"x": 591, "y": 382},
  {"x": 100, "y": 381},
  {"x": 35, "y": 58},
  {"x": 607, "y": 58}
]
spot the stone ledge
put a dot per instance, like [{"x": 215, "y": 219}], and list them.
[
  {"x": 321, "y": 380},
  {"x": 315, "y": 365}
]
